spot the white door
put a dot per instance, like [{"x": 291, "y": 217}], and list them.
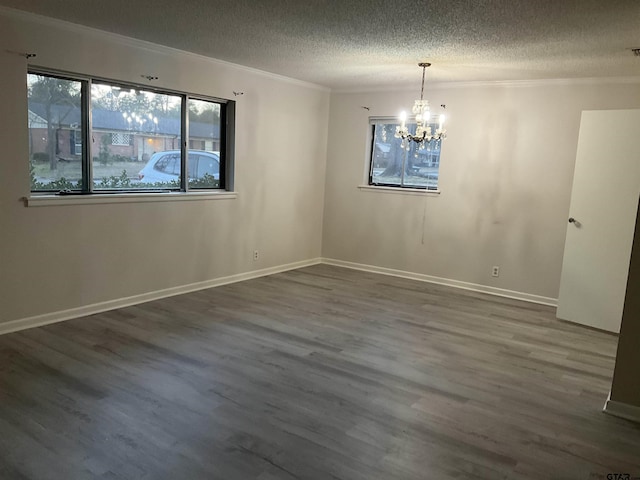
[{"x": 601, "y": 223}]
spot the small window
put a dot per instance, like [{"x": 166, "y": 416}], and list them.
[
  {"x": 394, "y": 163},
  {"x": 167, "y": 163},
  {"x": 207, "y": 166},
  {"x": 76, "y": 142},
  {"x": 121, "y": 139}
]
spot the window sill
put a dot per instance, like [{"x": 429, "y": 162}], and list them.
[
  {"x": 48, "y": 200},
  {"x": 402, "y": 191}
]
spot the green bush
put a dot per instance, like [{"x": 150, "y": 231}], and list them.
[
  {"x": 122, "y": 182},
  {"x": 208, "y": 181}
]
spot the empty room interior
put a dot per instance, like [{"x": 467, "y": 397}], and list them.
[{"x": 320, "y": 240}]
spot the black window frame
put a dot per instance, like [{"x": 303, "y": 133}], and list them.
[{"x": 226, "y": 131}]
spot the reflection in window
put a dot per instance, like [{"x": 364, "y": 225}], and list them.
[
  {"x": 392, "y": 165},
  {"x": 204, "y": 134},
  {"x": 55, "y": 143},
  {"x": 129, "y": 126},
  {"x": 135, "y": 141}
]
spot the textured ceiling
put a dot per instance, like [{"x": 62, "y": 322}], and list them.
[{"x": 363, "y": 44}]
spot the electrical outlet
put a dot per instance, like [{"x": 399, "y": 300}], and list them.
[
  {"x": 256, "y": 255},
  {"x": 495, "y": 271}
]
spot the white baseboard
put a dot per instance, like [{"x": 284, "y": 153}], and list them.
[
  {"x": 527, "y": 297},
  {"x": 622, "y": 410},
  {"x": 54, "y": 317}
]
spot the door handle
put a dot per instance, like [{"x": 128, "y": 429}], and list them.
[
  {"x": 572, "y": 220},
  {"x": 575, "y": 222}
]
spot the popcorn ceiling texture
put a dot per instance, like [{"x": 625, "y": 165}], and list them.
[{"x": 359, "y": 44}]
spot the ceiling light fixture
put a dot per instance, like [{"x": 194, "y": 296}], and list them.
[{"x": 423, "y": 133}]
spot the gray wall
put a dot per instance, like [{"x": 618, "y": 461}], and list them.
[{"x": 506, "y": 174}]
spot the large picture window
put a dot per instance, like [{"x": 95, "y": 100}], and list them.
[
  {"x": 88, "y": 135},
  {"x": 393, "y": 164}
]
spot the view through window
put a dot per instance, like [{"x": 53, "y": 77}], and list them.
[
  {"x": 55, "y": 140},
  {"x": 135, "y": 141},
  {"x": 394, "y": 166}
]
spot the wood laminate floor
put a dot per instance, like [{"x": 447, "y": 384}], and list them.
[{"x": 318, "y": 373}]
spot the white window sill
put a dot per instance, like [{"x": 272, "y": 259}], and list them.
[
  {"x": 402, "y": 191},
  {"x": 50, "y": 200}
]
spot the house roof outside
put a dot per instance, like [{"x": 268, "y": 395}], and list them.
[{"x": 69, "y": 117}]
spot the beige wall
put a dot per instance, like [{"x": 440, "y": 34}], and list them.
[
  {"x": 506, "y": 174},
  {"x": 626, "y": 378},
  {"x": 57, "y": 258}
]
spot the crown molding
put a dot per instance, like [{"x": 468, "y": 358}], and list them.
[
  {"x": 146, "y": 45},
  {"x": 540, "y": 82},
  {"x": 435, "y": 85}
]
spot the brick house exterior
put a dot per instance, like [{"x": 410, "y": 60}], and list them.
[{"x": 113, "y": 132}]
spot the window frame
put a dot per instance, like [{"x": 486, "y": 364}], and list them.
[
  {"x": 390, "y": 187},
  {"x": 226, "y": 130}
]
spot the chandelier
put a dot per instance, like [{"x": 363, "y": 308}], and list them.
[{"x": 424, "y": 134}]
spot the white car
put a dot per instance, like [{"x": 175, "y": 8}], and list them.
[{"x": 164, "y": 167}]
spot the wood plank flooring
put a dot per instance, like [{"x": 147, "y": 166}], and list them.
[{"x": 318, "y": 373}]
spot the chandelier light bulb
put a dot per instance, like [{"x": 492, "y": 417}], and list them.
[{"x": 402, "y": 129}]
